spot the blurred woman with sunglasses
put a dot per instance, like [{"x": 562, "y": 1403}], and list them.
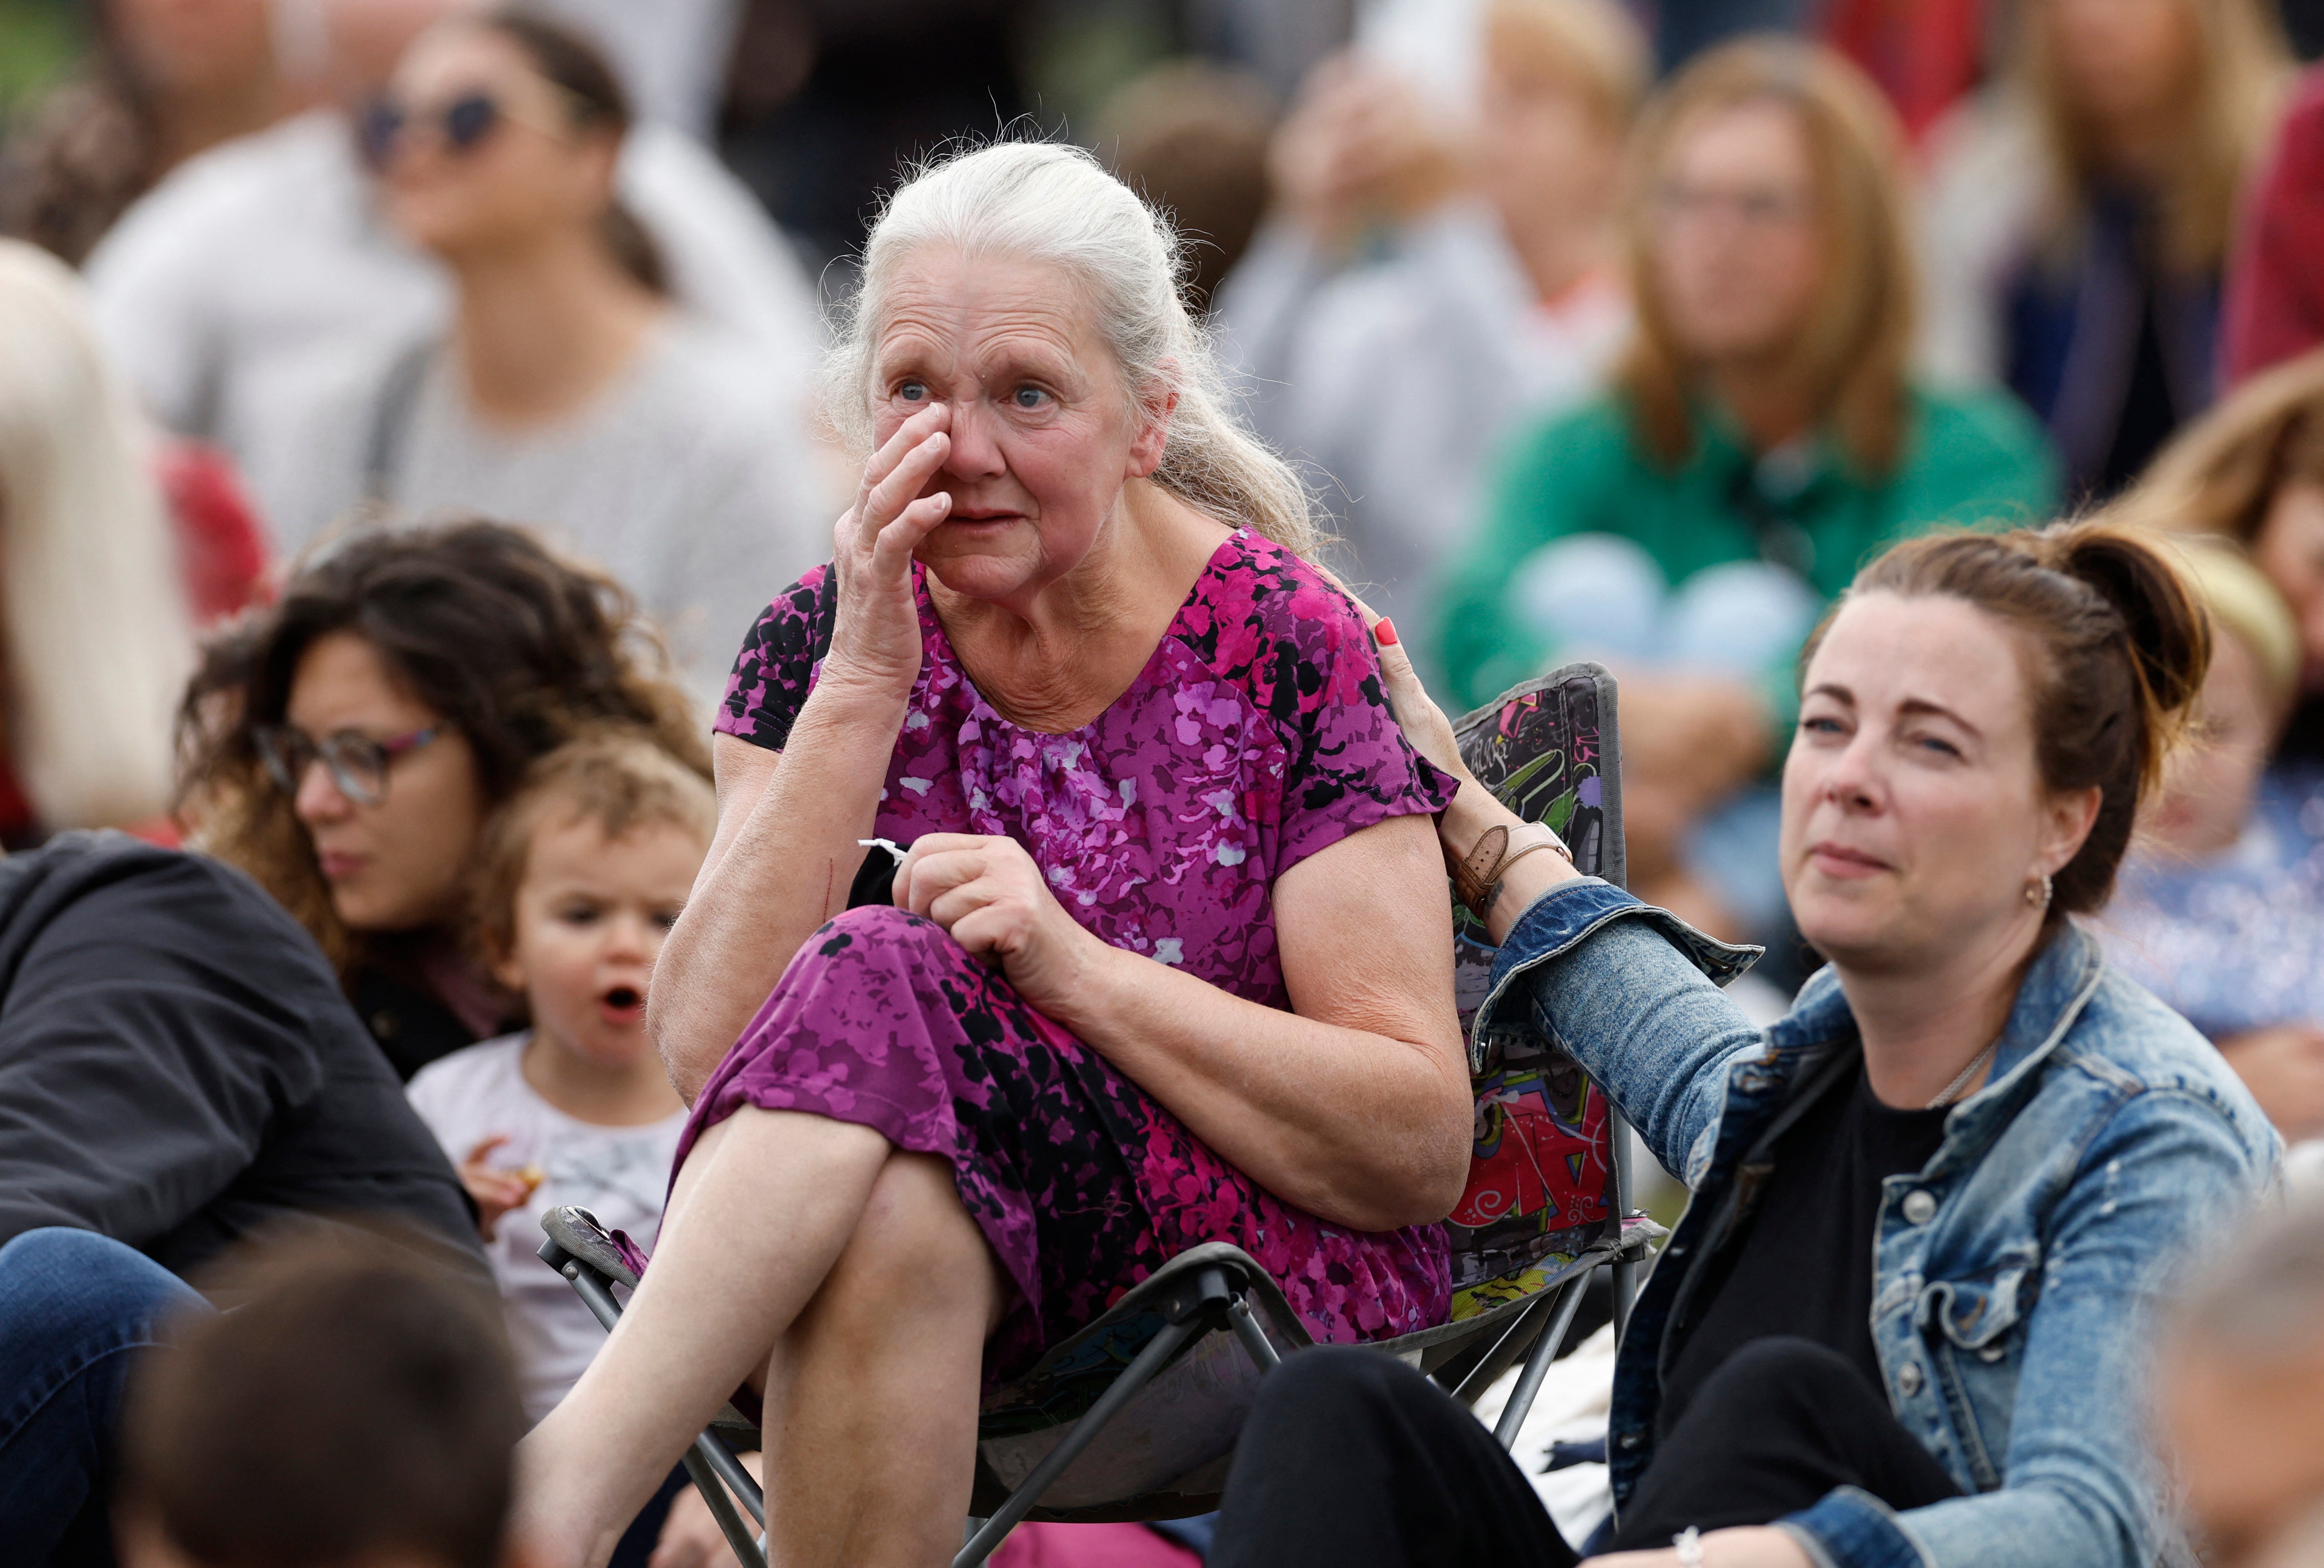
[
  {"x": 568, "y": 392},
  {"x": 346, "y": 748}
]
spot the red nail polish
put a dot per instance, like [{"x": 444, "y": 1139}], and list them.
[{"x": 1384, "y": 633}]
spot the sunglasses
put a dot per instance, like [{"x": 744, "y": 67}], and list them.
[
  {"x": 358, "y": 764},
  {"x": 460, "y": 123}
]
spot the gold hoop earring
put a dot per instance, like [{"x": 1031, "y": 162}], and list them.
[{"x": 2037, "y": 891}]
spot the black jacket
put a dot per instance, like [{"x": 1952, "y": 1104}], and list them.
[{"x": 178, "y": 1067}]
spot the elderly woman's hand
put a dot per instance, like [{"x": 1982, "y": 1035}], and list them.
[
  {"x": 990, "y": 896},
  {"x": 875, "y": 638}
]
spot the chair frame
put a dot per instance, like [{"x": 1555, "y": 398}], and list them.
[{"x": 1207, "y": 1290}]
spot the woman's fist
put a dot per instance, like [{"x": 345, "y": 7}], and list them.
[{"x": 987, "y": 893}]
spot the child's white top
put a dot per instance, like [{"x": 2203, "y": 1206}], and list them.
[{"x": 617, "y": 1172}]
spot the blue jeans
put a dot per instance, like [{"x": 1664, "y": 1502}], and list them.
[{"x": 75, "y": 1308}]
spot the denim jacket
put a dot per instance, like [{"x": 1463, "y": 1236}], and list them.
[{"x": 2014, "y": 1274}]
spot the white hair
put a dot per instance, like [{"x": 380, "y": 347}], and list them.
[
  {"x": 92, "y": 620},
  {"x": 1041, "y": 202}
]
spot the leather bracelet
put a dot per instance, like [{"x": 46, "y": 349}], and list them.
[{"x": 1477, "y": 875}]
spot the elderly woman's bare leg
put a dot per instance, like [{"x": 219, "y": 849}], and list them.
[
  {"x": 766, "y": 1204},
  {"x": 870, "y": 1418}
]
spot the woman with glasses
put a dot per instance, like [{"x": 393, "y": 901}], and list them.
[
  {"x": 348, "y": 747},
  {"x": 571, "y": 393},
  {"x": 1761, "y": 440}
]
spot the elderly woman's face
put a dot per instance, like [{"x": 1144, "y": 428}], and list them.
[
  {"x": 1913, "y": 814},
  {"x": 1044, "y": 433}
]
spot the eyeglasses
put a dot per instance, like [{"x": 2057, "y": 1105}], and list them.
[
  {"x": 1759, "y": 207},
  {"x": 461, "y": 123},
  {"x": 358, "y": 764}
]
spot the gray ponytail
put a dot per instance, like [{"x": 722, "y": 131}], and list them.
[{"x": 1043, "y": 202}]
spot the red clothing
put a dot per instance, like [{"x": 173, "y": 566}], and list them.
[
  {"x": 1925, "y": 53},
  {"x": 222, "y": 551},
  {"x": 2275, "y": 279}
]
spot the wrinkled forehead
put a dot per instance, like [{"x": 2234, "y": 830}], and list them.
[{"x": 946, "y": 311}]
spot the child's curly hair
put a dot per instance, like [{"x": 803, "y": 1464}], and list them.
[{"x": 619, "y": 780}]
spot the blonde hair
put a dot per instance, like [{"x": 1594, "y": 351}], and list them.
[
  {"x": 2220, "y": 474},
  {"x": 2240, "y": 600},
  {"x": 619, "y": 780},
  {"x": 2241, "y": 69},
  {"x": 1589, "y": 46},
  {"x": 1852, "y": 356},
  {"x": 1056, "y": 206},
  {"x": 92, "y": 617}
]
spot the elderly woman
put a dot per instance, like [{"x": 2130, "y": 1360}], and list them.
[
  {"x": 1132, "y": 997},
  {"x": 1904, "y": 1321}
]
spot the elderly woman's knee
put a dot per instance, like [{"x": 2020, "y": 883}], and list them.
[{"x": 915, "y": 1235}]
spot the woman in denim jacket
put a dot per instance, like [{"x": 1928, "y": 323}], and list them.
[{"x": 1904, "y": 1320}]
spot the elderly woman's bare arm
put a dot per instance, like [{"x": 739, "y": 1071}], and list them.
[
  {"x": 1354, "y": 1107},
  {"x": 783, "y": 860},
  {"x": 786, "y": 850}
]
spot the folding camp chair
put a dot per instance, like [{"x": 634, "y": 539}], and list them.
[{"x": 1136, "y": 1415}]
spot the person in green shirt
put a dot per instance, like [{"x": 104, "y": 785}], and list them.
[{"x": 1761, "y": 441}]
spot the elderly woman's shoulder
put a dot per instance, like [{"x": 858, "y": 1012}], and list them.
[
  {"x": 1264, "y": 608},
  {"x": 2130, "y": 1045}
]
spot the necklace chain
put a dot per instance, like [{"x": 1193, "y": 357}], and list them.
[{"x": 1945, "y": 1095}]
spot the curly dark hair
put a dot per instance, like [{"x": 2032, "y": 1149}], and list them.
[{"x": 517, "y": 649}]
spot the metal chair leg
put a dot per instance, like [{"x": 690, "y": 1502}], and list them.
[
  {"x": 1140, "y": 1372},
  {"x": 1505, "y": 1351},
  {"x": 1537, "y": 1366},
  {"x": 1625, "y": 1273},
  {"x": 1245, "y": 1323},
  {"x": 739, "y": 1535}
]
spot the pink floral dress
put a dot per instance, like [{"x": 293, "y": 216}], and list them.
[{"x": 1256, "y": 735}]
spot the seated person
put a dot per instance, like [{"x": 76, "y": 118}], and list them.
[
  {"x": 348, "y": 747},
  {"x": 1904, "y": 1319},
  {"x": 1432, "y": 281},
  {"x": 1763, "y": 427},
  {"x": 178, "y": 1071},
  {"x": 581, "y": 877},
  {"x": 2252, "y": 471},
  {"x": 2220, "y": 913},
  {"x": 1128, "y": 1000},
  {"x": 353, "y": 1409}
]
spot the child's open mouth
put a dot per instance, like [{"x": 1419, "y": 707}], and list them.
[{"x": 623, "y": 1006}]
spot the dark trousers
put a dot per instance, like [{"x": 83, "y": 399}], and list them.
[{"x": 1350, "y": 1459}]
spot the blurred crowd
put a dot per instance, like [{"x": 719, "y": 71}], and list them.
[{"x": 403, "y": 384}]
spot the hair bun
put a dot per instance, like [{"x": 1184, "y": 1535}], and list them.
[{"x": 2170, "y": 632}]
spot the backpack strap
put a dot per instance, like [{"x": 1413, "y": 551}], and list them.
[{"x": 390, "y": 417}]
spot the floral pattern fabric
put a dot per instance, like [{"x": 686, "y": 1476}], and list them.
[{"x": 1256, "y": 735}]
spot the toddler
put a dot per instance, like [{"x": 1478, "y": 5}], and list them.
[{"x": 581, "y": 877}]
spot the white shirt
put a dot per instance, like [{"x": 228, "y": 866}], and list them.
[
  {"x": 1400, "y": 380},
  {"x": 681, "y": 479},
  {"x": 236, "y": 292},
  {"x": 618, "y": 1174}
]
